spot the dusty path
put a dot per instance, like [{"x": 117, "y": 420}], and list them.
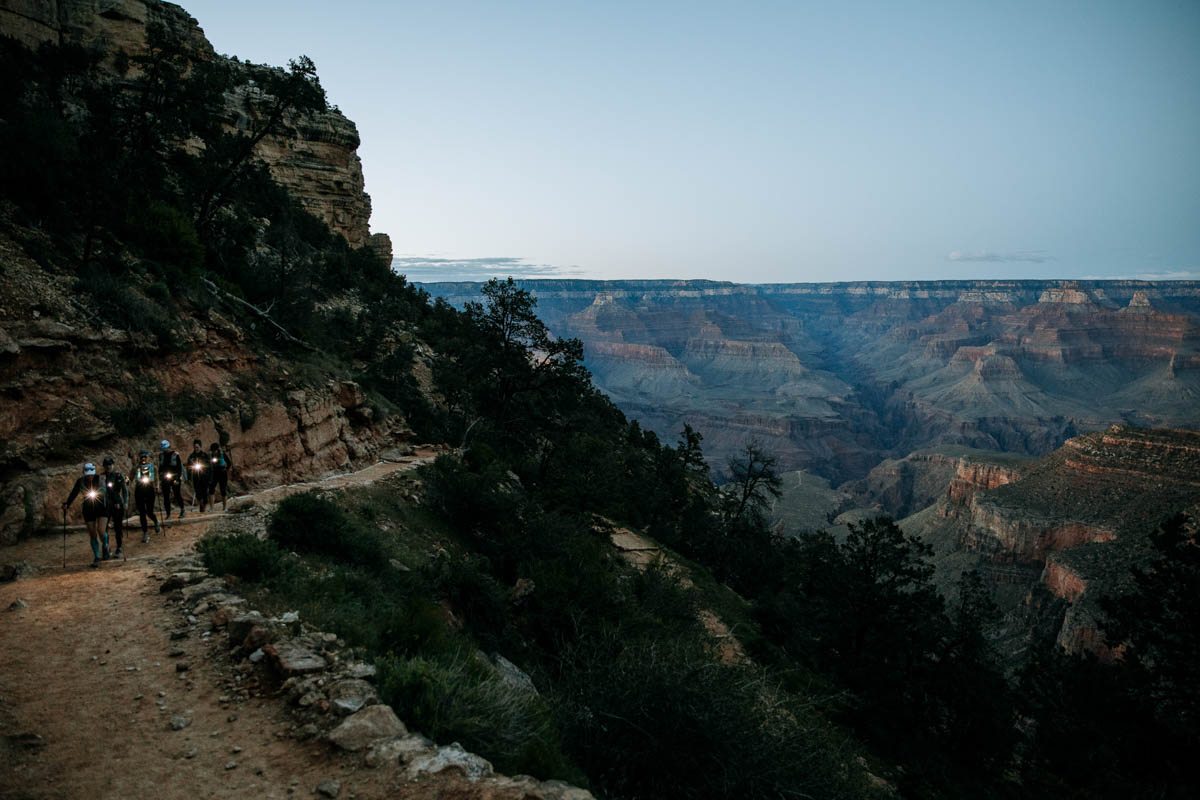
[{"x": 89, "y": 667}]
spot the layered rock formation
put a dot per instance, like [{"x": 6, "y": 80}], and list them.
[
  {"x": 66, "y": 379},
  {"x": 835, "y": 378},
  {"x": 316, "y": 160},
  {"x": 1063, "y": 531}
]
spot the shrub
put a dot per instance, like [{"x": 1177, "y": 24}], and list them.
[
  {"x": 654, "y": 718},
  {"x": 307, "y": 523},
  {"x": 244, "y": 555},
  {"x": 462, "y": 698}
]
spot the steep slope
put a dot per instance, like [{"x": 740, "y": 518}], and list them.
[{"x": 1061, "y": 532}]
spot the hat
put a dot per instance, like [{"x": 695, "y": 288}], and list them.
[
  {"x": 108, "y": 462},
  {"x": 89, "y": 468},
  {"x": 164, "y": 444},
  {"x": 143, "y": 454}
]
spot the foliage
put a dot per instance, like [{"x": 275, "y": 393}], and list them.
[
  {"x": 663, "y": 719},
  {"x": 459, "y": 697},
  {"x": 245, "y": 556},
  {"x": 307, "y": 523},
  {"x": 1126, "y": 728},
  {"x": 753, "y": 482}
]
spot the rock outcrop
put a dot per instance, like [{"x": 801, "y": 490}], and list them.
[
  {"x": 74, "y": 389},
  {"x": 1067, "y": 527},
  {"x": 316, "y": 161}
]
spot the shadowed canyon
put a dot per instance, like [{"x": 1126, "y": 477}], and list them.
[{"x": 834, "y": 378}]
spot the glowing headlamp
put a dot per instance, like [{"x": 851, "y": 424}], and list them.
[
  {"x": 145, "y": 479},
  {"x": 92, "y": 494},
  {"x": 214, "y": 461},
  {"x": 110, "y": 484},
  {"x": 168, "y": 476},
  {"x": 197, "y": 467}
]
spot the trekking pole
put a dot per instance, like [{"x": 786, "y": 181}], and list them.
[{"x": 64, "y": 538}]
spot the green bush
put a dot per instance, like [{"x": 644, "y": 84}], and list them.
[
  {"x": 462, "y": 698},
  {"x": 244, "y": 555},
  {"x": 655, "y": 718},
  {"x": 307, "y": 523},
  {"x": 466, "y": 583}
]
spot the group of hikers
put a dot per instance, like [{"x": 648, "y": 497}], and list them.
[{"x": 106, "y": 494}]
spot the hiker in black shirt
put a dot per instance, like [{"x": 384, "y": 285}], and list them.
[
  {"x": 170, "y": 472},
  {"x": 199, "y": 470},
  {"x": 221, "y": 463},
  {"x": 116, "y": 494},
  {"x": 94, "y": 501},
  {"x": 145, "y": 491}
]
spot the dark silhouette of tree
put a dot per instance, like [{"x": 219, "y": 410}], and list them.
[{"x": 754, "y": 482}]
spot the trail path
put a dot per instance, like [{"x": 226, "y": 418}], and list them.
[
  {"x": 640, "y": 552},
  {"x": 89, "y": 667}
]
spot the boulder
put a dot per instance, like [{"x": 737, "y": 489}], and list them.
[
  {"x": 360, "y": 730},
  {"x": 291, "y": 658},
  {"x": 258, "y": 638},
  {"x": 513, "y": 675},
  {"x": 203, "y": 589},
  {"x": 351, "y": 695},
  {"x": 453, "y": 757},
  {"x": 178, "y": 580},
  {"x": 241, "y": 625}
]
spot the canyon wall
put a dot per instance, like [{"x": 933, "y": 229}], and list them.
[
  {"x": 836, "y": 378},
  {"x": 68, "y": 383},
  {"x": 1065, "y": 529},
  {"x": 316, "y": 160}
]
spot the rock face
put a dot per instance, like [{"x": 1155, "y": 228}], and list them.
[
  {"x": 212, "y": 386},
  {"x": 317, "y": 161},
  {"x": 1063, "y": 531},
  {"x": 835, "y": 378}
]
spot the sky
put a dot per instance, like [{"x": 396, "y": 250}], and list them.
[{"x": 761, "y": 141}]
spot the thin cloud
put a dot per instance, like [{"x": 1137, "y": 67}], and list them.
[
  {"x": 1168, "y": 275},
  {"x": 431, "y": 269},
  {"x": 1000, "y": 257}
]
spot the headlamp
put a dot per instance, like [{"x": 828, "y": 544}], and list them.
[
  {"x": 92, "y": 494},
  {"x": 168, "y": 476},
  {"x": 110, "y": 484},
  {"x": 197, "y": 467},
  {"x": 145, "y": 479},
  {"x": 214, "y": 461}
]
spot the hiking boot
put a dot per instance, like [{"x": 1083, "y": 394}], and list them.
[
  {"x": 95, "y": 563},
  {"x": 146, "y": 536},
  {"x": 182, "y": 513},
  {"x": 157, "y": 528},
  {"x": 119, "y": 554},
  {"x": 105, "y": 554}
]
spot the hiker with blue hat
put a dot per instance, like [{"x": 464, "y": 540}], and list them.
[
  {"x": 170, "y": 472},
  {"x": 95, "y": 501}
]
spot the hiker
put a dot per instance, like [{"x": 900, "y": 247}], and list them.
[
  {"x": 94, "y": 501},
  {"x": 221, "y": 464},
  {"x": 116, "y": 493},
  {"x": 145, "y": 492},
  {"x": 199, "y": 470},
  {"x": 170, "y": 470}
]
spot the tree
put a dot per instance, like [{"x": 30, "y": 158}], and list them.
[
  {"x": 276, "y": 96},
  {"x": 754, "y": 480}
]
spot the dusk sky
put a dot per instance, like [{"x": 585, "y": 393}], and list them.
[{"x": 762, "y": 142}]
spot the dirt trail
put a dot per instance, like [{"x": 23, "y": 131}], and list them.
[
  {"x": 641, "y": 552},
  {"x": 89, "y": 667}
]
